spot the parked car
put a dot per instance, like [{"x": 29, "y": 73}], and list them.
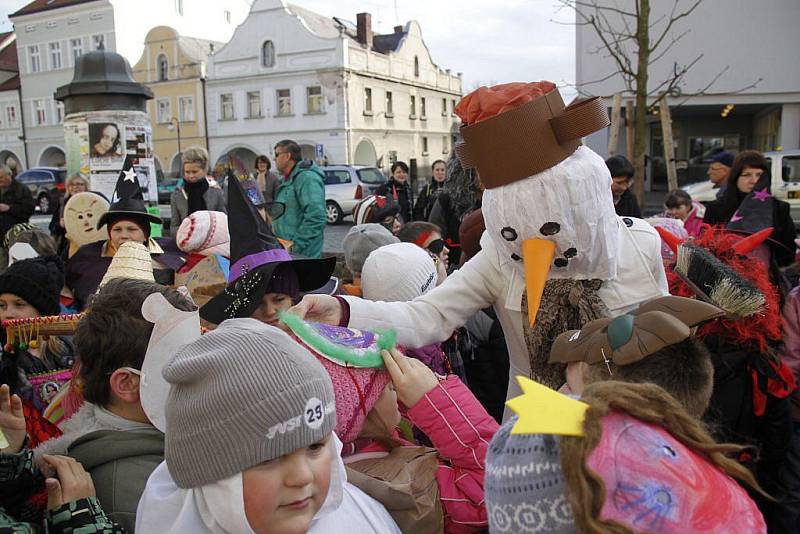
[
  {"x": 345, "y": 185},
  {"x": 785, "y": 171},
  {"x": 46, "y": 185},
  {"x": 165, "y": 188}
]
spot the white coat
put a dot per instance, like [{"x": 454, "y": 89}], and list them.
[{"x": 489, "y": 279}]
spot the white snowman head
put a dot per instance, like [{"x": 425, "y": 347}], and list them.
[{"x": 569, "y": 204}]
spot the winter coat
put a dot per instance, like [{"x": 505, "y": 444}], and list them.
[
  {"x": 179, "y": 204},
  {"x": 303, "y": 223},
  {"x": 492, "y": 279},
  {"x": 21, "y": 206},
  {"x": 432, "y": 356},
  {"x": 404, "y": 195},
  {"x": 460, "y": 430},
  {"x": 444, "y": 215},
  {"x": 782, "y": 223},
  {"x": 20, "y": 484},
  {"x": 119, "y": 459},
  {"x": 86, "y": 268},
  {"x": 694, "y": 221},
  {"x": 627, "y": 206},
  {"x": 268, "y": 183},
  {"x": 485, "y": 354},
  {"x": 427, "y": 198},
  {"x": 791, "y": 344}
]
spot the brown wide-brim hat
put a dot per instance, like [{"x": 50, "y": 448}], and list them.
[{"x": 632, "y": 337}]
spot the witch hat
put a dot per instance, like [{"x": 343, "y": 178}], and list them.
[
  {"x": 255, "y": 253},
  {"x": 128, "y": 199}
]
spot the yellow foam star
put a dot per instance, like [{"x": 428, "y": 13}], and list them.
[{"x": 544, "y": 411}]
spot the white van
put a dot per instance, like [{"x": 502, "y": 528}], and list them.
[{"x": 785, "y": 170}]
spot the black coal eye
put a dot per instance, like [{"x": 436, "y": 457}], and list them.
[
  {"x": 570, "y": 253},
  {"x": 550, "y": 228},
  {"x": 515, "y": 257},
  {"x": 561, "y": 262},
  {"x": 509, "y": 234}
]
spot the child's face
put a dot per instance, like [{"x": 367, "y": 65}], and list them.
[
  {"x": 386, "y": 408},
  {"x": 271, "y": 304},
  {"x": 284, "y": 494},
  {"x": 680, "y": 212},
  {"x": 13, "y": 307}
]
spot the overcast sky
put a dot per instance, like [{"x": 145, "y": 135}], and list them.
[{"x": 489, "y": 42}]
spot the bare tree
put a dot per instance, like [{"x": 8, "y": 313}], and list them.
[{"x": 635, "y": 42}]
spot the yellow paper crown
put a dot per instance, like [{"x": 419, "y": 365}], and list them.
[{"x": 544, "y": 411}]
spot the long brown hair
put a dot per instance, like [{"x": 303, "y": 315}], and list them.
[{"x": 648, "y": 403}]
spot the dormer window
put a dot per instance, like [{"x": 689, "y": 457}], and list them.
[
  {"x": 416, "y": 67},
  {"x": 268, "y": 54},
  {"x": 163, "y": 68}
]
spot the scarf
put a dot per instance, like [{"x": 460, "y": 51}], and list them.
[{"x": 194, "y": 195}]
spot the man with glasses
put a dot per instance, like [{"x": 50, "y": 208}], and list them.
[
  {"x": 719, "y": 170},
  {"x": 302, "y": 190}
]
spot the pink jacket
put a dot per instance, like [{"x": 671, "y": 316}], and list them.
[
  {"x": 791, "y": 343},
  {"x": 694, "y": 222},
  {"x": 460, "y": 429}
]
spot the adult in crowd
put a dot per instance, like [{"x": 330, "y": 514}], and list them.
[
  {"x": 267, "y": 180},
  {"x": 461, "y": 194},
  {"x": 621, "y": 181},
  {"x": 302, "y": 190},
  {"x": 719, "y": 170},
  {"x": 196, "y": 194},
  {"x": 399, "y": 189},
  {"x": 16, "y": 201},
  {"x": 111, "y": 435},
  {"x": 126, "y": 220},
  {"x": 747, "y": 206},
  {"x": 75, "y": 184},
  {"x": 427, "y": 197}
]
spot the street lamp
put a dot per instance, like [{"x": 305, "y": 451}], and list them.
[{"x": 175, "y": 124}]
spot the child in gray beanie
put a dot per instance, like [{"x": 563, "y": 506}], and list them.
[{"x": 250, "y": 444}]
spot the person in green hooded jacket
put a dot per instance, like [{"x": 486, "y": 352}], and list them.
[{"x": 302, "y": 190}]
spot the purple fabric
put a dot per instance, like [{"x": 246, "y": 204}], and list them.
[
  {"x": 256, "y": 260},
  {"x": 432, "y": 356}
]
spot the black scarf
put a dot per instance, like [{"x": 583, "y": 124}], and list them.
[{"x": 194, "y": 194}]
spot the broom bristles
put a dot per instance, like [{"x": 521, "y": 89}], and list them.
[{"x": 724, "y": 286}]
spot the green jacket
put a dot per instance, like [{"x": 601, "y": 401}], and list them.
[{"x": 303, "y": 192}]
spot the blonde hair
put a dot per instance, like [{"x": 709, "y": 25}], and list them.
[
  {"x": 650, "y": 404},
  {"x": 197, "y": 155},
  {"x": 77, "y": 177}
]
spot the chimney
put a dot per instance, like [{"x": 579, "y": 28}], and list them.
[
  {"x": 398, "y": 29},
  {"x": 364, "y": 29}
]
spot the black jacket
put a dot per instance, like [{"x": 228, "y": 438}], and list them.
[
  {"x": 627, "y": 206},
  {"x": 405, "y": 197},
  {"x": 20, "y": 200},
  {"x": 424, "y": 204}
]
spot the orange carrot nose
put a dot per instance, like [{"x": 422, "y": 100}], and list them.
[{"x": 537, "y": 256}]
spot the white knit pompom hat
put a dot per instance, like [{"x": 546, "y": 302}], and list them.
[
  {"x": 206, "y": 233},
  {"x": 398, "y": 273}
]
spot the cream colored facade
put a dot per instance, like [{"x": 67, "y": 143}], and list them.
[{"x": 174, "y": 67}]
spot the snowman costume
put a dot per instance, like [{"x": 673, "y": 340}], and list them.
[{"x": 550, "y": 222}]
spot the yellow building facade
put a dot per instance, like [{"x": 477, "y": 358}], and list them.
[{"x": 174, "y": 67}]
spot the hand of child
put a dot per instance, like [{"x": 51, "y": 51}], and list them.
[
  {"x": 319, "y": 309},
  {"x": 73, "y": 482},
  {"x": 412, "y": 379},
  {"x": 12, "y": 421}
]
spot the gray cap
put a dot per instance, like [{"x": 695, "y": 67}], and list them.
[
  {"x": 363, "y": 239},
  {"x": 241, "y": 395}
]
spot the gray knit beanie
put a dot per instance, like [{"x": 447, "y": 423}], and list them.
[
  {"x": 241, "y": 395},
  {"x": 524, "y": 487}
]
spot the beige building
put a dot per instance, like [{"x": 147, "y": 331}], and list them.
[{"x": 174, "y": 67}]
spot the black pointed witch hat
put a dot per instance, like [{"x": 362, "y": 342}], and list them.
[
  {"x": 756, "y": 212},
  {"x": 255, "y": 253},
  {"x": 128, "y": 199}
]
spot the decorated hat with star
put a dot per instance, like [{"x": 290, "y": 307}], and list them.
[
  {"x": 255, "y": 254},
  {"x": 128, "y": 199}
]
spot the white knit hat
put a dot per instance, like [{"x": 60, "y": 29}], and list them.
[
  {"x": 398, "y": 273},
  {"x": 132, "y": 260},
  {"x": 205, "y": 232}
]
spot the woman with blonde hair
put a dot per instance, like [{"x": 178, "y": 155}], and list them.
[{"x": 196, "y": 193}]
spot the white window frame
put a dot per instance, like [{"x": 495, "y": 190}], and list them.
[
  {"x": 34, "y": 58},
  {"x": 11, "y": 114},
  {"x": 163, "y": 111},
  {"x": 162, "y": 76},
  {"x": 368, "y": 101},
  {"x": 54, "y": 50},
  {"x": 186, "y": 108},
  {"x": 315, "y": 104},
  {"x": 40, "y": 112},
  {"x": 389, "y": 102},
  {"x": 226, "y": 15},
  {"x": 412, "y": 103},
  {"x": 73, "y": 48},
  {"x": 59, "y": 109},
  {"x": 257, "y": 101},
  {"x": 225, "y": 106},
  {"x": 268, "y": 54},
  {"x": 97, "y": 40},
  {"x": 444, "y": 106},
  {"x": 425, "y": 145},
  {"x": 285, "y": 110},
  {"x": 423, "y": 108},
  {"x": 445, "y": 141},
  {"x": 179, "y": 7}
]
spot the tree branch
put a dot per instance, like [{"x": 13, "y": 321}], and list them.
[{"x": 673, "y": 18}]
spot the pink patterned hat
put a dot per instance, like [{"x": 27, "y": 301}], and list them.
[{"x": 205, "y": 232}]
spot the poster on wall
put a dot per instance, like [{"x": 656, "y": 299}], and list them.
[
  {"x": 106, "y": 148},
  {"x": 104, "y": 183}
]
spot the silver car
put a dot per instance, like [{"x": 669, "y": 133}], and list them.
[{"x": 345, "y": 185}]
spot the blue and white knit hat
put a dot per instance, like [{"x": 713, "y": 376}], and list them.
[{"x": 524, "y": 486}]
